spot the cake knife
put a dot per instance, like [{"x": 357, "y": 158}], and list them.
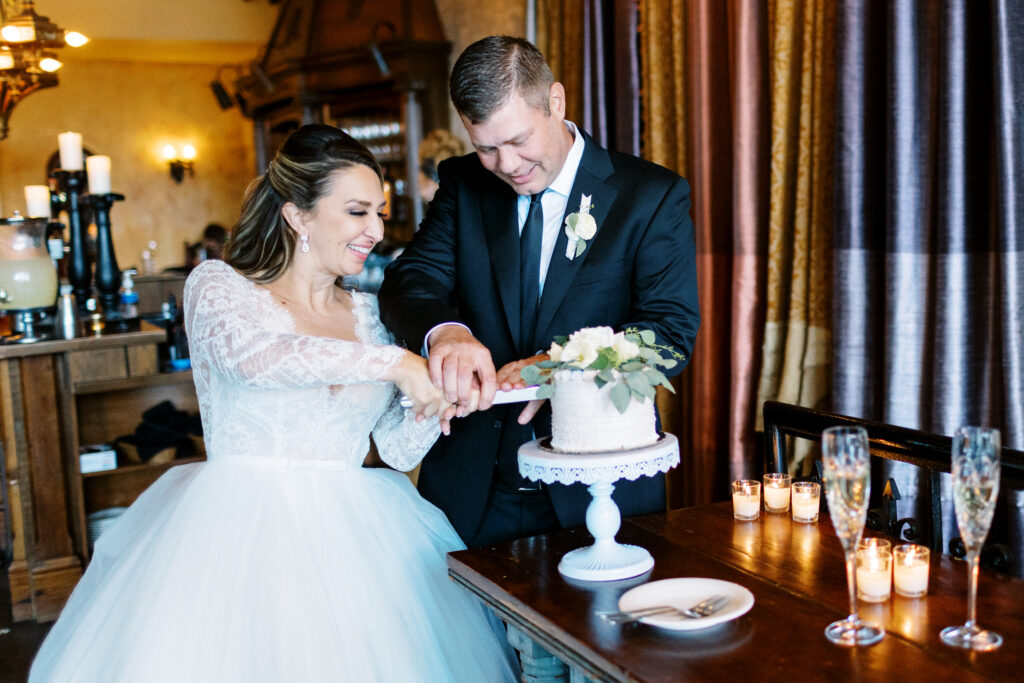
[{"x": 510, "y": 396}]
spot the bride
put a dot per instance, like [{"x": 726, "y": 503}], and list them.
[{"x": 281, "y": 558}]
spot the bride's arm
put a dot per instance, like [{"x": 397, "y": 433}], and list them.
[
  {"x": 225, "y": 328},
  {"x": 401, "y": 440}
]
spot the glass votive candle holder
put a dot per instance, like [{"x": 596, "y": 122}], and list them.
[
  {"x": 910, "y": 569},
  {"x": 874, "y": 574},
  {"x": 806, "y": 501},
  {"x": 879, "y": 544},
  {"x": 776, "y": 492},
  {"x": 746, "y": 499}
]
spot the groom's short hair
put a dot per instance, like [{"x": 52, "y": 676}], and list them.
[{"x": 492, "y": 70}]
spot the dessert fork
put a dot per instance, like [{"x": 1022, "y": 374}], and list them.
[{"x": 704, "y": 608}]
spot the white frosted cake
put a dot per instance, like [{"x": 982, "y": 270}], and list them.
[{"x": 584, "y": 419}]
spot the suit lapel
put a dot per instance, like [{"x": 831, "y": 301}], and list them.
[
  {"x": 498, "y": 212},
  {"x": 595, "y": 167}
]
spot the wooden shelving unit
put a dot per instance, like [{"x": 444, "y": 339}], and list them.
[{"x": 133, "y": 383}]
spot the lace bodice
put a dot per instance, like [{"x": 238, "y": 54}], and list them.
[{"x": 266, "y": 390}]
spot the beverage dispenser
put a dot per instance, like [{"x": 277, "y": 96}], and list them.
[{"x": 28, "y": 277}]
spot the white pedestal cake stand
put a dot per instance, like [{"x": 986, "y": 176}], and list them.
[{"x": 606, "y": 560}]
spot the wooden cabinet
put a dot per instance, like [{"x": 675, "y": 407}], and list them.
[{"x": 58, "y": 396}]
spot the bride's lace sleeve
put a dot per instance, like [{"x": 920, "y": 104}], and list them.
[
  {"x": 225, "y": 328},
  {"x": 401, "y": 440}
]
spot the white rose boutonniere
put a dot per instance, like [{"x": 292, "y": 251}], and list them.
[{"x": 579, "y": 227}]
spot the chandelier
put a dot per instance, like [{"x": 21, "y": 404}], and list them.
[{"x": 27, "y": 60}]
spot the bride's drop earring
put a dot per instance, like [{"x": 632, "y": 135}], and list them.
[{"x": 305, "y": 243}]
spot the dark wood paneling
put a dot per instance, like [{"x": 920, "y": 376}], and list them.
[
  {"x": 103, "y": 364},
  {"x": 42, "y": 438}
]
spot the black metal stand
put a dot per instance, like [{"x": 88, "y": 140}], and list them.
[
  {"x": 885, "y": 519},
  {"x": 108, "y": 276},
  {"x": 79, "y": 268}
]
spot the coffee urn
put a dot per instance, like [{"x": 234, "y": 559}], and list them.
[{"x": 28, "y": 277}]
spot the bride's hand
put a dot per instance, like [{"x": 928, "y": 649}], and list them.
[{"x": 413, "y": 379}]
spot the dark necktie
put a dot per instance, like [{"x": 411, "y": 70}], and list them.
[{"x": 529, "y": 274}]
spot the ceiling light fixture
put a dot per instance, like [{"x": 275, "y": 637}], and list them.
[{"x": 26, "y": 61}]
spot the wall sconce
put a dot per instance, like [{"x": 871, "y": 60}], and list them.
[{"x": 180, "y": 163}]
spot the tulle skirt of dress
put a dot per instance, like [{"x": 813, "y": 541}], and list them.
[{"x": 239, "y": 570}]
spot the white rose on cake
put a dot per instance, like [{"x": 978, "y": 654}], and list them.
[
  {"x": 578, "y": 352},
  {"x": 624, "y": 348},
  {"x": 583, "y": 346}
]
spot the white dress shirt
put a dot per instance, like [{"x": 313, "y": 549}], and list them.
[{"x": 553, "y": 201}]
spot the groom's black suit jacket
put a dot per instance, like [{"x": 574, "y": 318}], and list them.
[{"x": 463, "y": 265}]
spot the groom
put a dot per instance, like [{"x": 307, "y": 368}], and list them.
[{"x": 488, "y": 282}]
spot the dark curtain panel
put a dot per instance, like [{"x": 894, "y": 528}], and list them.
[
  {"x": 928, "y": 297},
  {"x": 702, "y": 80},
  {"x": 705, "y": 87},
  {"x": 591, "y": 46}
]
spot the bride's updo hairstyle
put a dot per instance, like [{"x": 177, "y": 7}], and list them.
[{"x": 262, "y": 243}]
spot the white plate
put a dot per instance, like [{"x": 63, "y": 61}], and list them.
[{"x": 685, "y": 593}]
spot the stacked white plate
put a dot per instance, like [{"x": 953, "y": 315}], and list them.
[{"x": 100, "y": 521}]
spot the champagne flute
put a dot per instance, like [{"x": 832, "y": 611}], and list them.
[
  {"x": 975, "y": 489},
  {"x": 847, "y": 475}
]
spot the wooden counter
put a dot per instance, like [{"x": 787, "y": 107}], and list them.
[
  {"x": 797, "y": 576},
  {"x": 56, "y": 396}
]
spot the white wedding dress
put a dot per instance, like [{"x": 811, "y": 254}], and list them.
[{"x": 281, "y": 558}]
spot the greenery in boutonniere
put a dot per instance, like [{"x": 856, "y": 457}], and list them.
[{"x": 629, "y": 361}]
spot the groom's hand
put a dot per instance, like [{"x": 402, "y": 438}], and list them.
[
  {"x": 509, "y": 376},
  {"x": 462, "y": 366}
]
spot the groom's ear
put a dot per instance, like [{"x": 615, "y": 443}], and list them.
[{"x": 556, "y": 100}]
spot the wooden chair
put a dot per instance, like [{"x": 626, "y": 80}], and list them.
[{"x": 924, "y": 450}]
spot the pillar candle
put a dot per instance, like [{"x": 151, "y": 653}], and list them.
[
  {"x": 910, "y": 570},
  {"x": 98, "y": 169},
  {"x": 746, "y": 499},
  {"x": 776, "y": 498},
  {"x": 912, "y": 580},
  {"x": 746, "y": 505},
  {"x": 70, "y": 151},
  {"x": 37, "y": 201},
  {"x": 806, "y": 501},
  {"x": 874, "y": 575}
]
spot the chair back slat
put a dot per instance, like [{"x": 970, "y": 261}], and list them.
[{"x": 922, "y": 449}]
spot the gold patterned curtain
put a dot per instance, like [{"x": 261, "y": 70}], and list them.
[
  {"x": 563, "y": 49},
  {"x": 738, "y": 97},
  {"x": 705, "y": 116},
  {"x": 797, "y": 338},
  {"x": 663, "y": 54}
]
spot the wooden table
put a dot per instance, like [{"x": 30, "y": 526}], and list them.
[{"x": 797, "y": 576}]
